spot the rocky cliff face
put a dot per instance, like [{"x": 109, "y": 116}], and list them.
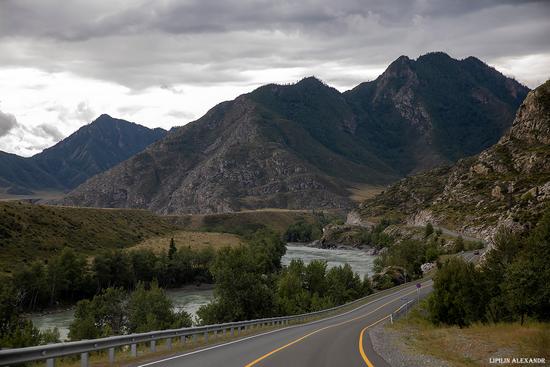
[
  {"x": 505, "y": 185},
  {"x": 303, "y": 145}
]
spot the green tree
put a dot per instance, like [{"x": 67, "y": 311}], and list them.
[
  {"x": 150, "y": 309},
  {"x": 343, "y": 285},
  {"x": 367, "y": 286},
  {"x": 104, "y": 315},
  {"x": 429, "y": 230},
  {"x": 459, "y": 244},
  {"x": 315, "y": 277},
  {"x": 292, "y": 298},
  {"x": 244, "y": 287},
  {"x": 172, "y": 249},
  {"x": 457, "y": 298},
  {"x": 67, "y": 276},
  {"x": 113, "y": 269},
  {"x": 32, "y": 284}
]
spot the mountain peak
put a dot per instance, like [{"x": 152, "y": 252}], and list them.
[
  {"x": 311, "y": 80},
  {"x": 103, "y": 118},
  {"x": 435, "y": 55}
]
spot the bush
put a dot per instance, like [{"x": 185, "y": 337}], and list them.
[
  {"x": 114, "y": 312},
  {"x": 457, "y": 296}
]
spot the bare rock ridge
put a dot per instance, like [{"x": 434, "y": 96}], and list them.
[
  {"x": 304, "y": 145},
  {"x": 506, "y": 184}
]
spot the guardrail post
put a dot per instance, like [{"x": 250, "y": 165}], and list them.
[
  {"x": 84, "y": 359},
  {"x": 224, "y": 331},
  {"x": 133, "y": 350},
  {"x": 391, "y": 318},
  {"x": 50, "y": 362},
  {"x": 232, "y": 331},
  {"x": 194, "y": 338},
  {"x": 206, "y": 336},
  {"x": 153, "y": 345},
  {"x": 182, "y": 339},
  {"x": 111, "y": 355},
  {"x": 169, "y": 343}
]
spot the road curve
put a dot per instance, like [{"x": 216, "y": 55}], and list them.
[{"x": 335, "y": 341}]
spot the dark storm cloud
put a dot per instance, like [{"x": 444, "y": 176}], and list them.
[
  {"x": 146, "y": 44},
  {"x": 7, "y": 123},
  {"x": 47, "y": 131}
]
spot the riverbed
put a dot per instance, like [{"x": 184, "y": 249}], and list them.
[{"x": 191, "y": 300}]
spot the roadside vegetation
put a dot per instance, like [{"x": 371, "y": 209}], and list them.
[
  {"x": 475, "y": 344},
  {"x": 512, "y": 285},
  {"x": 499, "y": 308}
]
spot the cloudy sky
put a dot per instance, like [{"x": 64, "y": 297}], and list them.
[{"x": 165, "y": 63}]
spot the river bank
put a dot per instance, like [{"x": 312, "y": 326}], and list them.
[{"x": 191, "y": 297}]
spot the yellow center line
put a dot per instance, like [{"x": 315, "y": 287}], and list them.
[
  {"x": 254, "y": 362},
  {"x": 361, "y": 350}
]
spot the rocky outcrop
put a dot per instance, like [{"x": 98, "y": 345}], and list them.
[
  {"x": 505, "y": 185},
  {"x": 335, "y": 236}
]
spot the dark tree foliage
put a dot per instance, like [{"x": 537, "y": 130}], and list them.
[
  {"x": 115, "y": 312},
  {"x": 250, "y": 283},
  {"x": 409, "y": 254},
  {"x": 245, "y": 279},
  {"x": 69, "y": 277},
  {"x": 457, "y": 294},
  {"x": 15, "y": 330}
]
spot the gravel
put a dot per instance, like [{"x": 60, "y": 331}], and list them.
[{"x": 391, "y": 345}]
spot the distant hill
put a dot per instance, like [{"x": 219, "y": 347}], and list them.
[
  {"x": 92, "y": 149},
  {"x": 507, "y": 184},
  {"x": 305, "y": 145}
]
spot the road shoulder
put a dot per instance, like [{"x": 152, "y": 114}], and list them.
[{"x": 391, "y": 345}]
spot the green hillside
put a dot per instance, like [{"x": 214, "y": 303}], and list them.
[{"x": 29, "y": 232}]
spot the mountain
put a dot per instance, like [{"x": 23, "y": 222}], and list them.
[
  {"x": 434, "y": 110},
  {"x": 305, "y": 145},
  {"x": 507, "y": 184},
  {"x": 19, "y": 176},
  {"x": 92, "y": 149}
]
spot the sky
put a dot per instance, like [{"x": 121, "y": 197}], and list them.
[{"x": 165, "y": 63}]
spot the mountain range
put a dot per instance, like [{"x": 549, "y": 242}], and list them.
[
  {"x": 92, "y": 149},
  {"x": 307, "y": 145},
  {"x": 506, "y": 185}
]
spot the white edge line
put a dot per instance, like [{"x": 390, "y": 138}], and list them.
[{"x": 269, "y": 332}]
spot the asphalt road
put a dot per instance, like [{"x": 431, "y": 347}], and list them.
[{"x": 336, "y": 341}]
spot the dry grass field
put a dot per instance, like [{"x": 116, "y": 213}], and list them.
[
  {"x": 196, "y": 240},
  {"x": 362, "y": 192}
]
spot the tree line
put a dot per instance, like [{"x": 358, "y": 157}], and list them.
[{"x": 70, "y": 277}]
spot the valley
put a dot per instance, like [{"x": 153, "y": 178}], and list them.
[{"x": 288, "y": 200}]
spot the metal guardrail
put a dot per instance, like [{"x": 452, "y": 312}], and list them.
[
  {"x": 402, "y": 311},
  {"x": 187, "y": 335}
]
